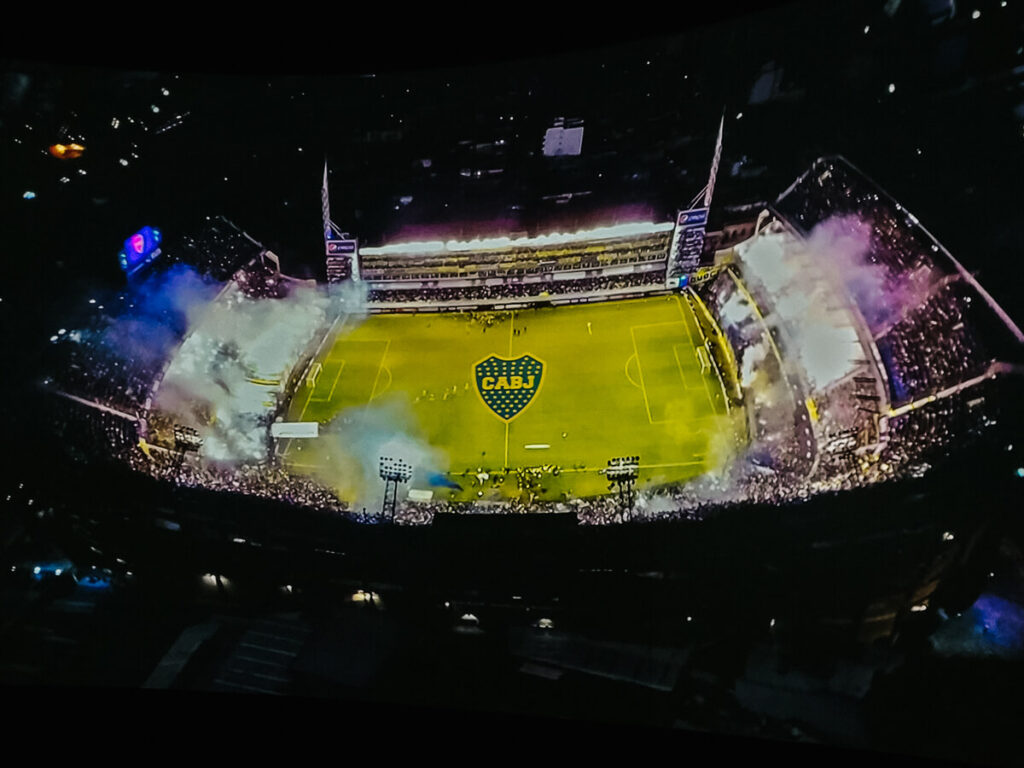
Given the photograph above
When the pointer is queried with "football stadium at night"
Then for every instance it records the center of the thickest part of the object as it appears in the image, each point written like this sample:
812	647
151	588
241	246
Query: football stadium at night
673	382
821	341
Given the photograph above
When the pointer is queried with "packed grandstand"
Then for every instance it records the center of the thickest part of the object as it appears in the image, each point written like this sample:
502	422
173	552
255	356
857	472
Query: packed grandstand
850	345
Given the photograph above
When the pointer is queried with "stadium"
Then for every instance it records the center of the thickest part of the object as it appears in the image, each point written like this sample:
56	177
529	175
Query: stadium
819	342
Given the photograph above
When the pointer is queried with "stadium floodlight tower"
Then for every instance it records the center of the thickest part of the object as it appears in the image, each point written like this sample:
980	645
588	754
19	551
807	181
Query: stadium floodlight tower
623	471
185	439
392	472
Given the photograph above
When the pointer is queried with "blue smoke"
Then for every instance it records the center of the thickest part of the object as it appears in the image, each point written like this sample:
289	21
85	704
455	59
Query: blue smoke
157	313
438	479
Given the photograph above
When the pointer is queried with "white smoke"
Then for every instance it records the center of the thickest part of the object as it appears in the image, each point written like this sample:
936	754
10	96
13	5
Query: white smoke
226	377
352	445
736	310
753	356
351	298
802	279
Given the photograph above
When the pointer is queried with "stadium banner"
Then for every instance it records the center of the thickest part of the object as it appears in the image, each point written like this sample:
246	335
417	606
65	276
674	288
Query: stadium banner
341	247
687	244
341	260
295	429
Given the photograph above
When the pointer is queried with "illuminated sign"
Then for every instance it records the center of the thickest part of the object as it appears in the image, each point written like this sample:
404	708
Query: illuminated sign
687	243
693	217
140	249
339	247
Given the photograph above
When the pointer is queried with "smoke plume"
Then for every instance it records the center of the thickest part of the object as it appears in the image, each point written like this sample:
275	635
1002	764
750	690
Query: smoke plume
226	378
350	448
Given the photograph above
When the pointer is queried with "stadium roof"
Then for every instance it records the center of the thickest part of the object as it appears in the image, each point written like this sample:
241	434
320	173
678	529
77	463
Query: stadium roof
499	243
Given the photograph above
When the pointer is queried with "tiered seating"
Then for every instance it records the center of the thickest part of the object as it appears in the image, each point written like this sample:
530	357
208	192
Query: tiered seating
518	290
935	346
515	262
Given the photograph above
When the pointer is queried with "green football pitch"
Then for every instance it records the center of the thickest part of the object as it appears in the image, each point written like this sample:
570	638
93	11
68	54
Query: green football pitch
615	379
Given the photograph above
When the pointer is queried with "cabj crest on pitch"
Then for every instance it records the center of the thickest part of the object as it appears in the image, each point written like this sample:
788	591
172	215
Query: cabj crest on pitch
508	386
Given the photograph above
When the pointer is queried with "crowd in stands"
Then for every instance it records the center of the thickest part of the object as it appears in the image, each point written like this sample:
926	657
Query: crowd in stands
934	346
219	249
928	327
931	429
115	356
260	480
494	293
260	280
832	187
95	372
515	262
746	481
87	433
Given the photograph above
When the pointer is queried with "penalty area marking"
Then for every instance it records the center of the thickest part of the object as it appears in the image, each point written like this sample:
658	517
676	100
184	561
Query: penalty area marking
630	359
386	387
332	333
380	367
658	325
640	370
679	365
337	378
693	342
